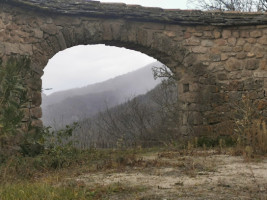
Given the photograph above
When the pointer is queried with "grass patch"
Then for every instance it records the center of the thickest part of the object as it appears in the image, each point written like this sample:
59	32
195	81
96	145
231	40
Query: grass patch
70	191
76	162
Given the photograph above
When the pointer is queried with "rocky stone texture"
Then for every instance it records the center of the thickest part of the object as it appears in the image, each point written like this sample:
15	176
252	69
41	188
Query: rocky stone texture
218	57
139	13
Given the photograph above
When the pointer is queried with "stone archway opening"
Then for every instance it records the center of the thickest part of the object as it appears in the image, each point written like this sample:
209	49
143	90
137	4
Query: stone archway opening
82	81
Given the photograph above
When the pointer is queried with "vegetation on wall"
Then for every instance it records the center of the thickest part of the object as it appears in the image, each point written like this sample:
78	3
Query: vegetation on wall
13	97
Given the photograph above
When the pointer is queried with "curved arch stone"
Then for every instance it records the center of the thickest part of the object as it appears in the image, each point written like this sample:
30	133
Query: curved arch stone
216	56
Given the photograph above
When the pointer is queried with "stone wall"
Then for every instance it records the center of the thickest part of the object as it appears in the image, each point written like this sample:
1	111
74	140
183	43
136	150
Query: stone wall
217	57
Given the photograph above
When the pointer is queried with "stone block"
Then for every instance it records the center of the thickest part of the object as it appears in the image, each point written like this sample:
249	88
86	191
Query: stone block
234	75
234	96
2	26
194	87
251	40
263	40
192	41
247	47
185	118
244	34
203	57
241	55
255	33
189	97
222	109
212	89
246	73
262	105
185	130
226	33
237	49
195	118
187	35
240	41
207	34
224	56
37	123
233	64
215	50
36	98
217	34
38	33
235	86
231	41
26	49
11	48
221	42
261	94
2	49
236	34
213	118
199	49
259	53
263	64
26	113
215	57
253	95
36	112
50	29
260	74
61	41
252	64
199	69
222	76
169	33
198	34
226	49
207	43
250	54
253	84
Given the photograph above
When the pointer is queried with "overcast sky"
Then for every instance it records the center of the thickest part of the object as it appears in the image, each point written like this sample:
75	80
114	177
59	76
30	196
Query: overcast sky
83	65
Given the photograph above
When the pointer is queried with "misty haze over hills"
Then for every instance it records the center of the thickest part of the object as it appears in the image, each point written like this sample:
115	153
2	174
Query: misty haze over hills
76	104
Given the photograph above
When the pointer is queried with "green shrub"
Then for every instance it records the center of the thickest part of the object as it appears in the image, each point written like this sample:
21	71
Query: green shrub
13	95
210	141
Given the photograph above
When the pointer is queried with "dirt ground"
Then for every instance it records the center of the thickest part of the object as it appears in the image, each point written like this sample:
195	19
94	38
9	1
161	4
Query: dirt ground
170	175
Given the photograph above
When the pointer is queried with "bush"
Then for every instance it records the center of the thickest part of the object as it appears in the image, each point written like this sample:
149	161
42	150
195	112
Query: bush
215	141
250	127
13	95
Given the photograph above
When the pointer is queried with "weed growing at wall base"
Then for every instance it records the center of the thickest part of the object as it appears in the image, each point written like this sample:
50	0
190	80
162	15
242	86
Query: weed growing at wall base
250	128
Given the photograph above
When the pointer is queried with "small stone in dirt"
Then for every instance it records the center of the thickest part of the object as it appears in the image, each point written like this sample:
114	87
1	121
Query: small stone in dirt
224	185
179	183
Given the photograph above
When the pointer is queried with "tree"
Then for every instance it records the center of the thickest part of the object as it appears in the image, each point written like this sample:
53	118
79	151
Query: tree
229	5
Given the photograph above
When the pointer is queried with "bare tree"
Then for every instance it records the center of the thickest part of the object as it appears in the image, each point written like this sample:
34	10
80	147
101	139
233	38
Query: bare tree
229	5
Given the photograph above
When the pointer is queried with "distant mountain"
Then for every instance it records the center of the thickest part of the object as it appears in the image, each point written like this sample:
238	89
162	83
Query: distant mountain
77	104
147	119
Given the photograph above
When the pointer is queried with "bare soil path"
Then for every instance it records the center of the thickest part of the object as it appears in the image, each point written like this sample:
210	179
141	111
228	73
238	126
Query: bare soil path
172	176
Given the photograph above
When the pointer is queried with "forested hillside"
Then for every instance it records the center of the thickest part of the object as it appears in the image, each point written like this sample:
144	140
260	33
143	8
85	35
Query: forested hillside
140	121
65	107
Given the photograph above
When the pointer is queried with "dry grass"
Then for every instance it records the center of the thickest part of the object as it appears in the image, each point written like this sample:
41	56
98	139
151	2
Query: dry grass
140	174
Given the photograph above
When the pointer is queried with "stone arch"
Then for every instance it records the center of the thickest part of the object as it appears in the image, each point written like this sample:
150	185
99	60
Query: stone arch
127	35
225	52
